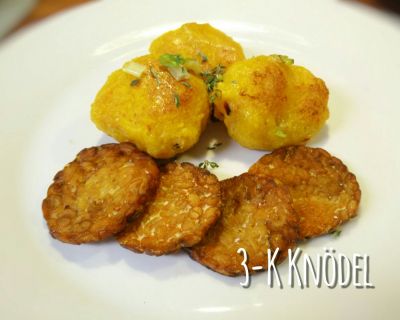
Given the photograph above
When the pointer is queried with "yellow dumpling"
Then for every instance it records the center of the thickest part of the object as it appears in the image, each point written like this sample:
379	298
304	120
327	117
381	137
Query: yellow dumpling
160	115
266	102
209	46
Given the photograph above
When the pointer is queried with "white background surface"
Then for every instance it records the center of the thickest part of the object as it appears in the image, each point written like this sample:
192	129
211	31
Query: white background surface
48	79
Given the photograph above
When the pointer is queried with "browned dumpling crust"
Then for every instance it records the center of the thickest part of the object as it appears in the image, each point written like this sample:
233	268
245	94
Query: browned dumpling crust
186	204
267	102
325	194
160	115
202	42
257	215
91	198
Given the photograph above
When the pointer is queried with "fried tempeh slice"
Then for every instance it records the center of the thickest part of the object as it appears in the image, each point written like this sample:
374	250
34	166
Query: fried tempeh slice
257	215
91	198
186	204
325	194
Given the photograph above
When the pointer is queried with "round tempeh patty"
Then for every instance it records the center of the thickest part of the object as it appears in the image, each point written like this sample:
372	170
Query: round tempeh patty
325	194
256	215
186	204
91	198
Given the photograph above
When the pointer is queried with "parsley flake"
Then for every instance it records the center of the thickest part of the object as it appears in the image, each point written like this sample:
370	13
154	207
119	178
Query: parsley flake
211	78
208	164
177	100
280	133
135	82
171	60
214	95
336	233
203	57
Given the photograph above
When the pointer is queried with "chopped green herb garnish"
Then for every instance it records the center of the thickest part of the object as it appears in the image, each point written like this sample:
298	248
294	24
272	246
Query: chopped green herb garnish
154	74
206	164
214	145
203	57
186	84
280	133
336	233
211	78
176	65
135	82
214	95
177	100
283	58
171	60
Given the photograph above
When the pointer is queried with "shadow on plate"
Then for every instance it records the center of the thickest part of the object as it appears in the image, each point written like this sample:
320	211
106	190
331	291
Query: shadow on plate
106	139
215	132
109	252
321	138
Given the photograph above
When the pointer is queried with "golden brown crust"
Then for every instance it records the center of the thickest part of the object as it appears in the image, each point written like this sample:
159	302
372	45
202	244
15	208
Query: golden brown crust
256	215
325	194
186	204
143	113
266	103
91	198
197	41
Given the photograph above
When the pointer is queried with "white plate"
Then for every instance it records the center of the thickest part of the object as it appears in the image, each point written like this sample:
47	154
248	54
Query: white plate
49	76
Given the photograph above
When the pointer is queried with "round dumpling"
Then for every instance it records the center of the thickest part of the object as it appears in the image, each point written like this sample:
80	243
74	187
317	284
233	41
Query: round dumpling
160	115
202	42
266	102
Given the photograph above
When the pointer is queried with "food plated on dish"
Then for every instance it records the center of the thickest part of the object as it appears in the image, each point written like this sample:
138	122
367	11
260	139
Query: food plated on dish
157	106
